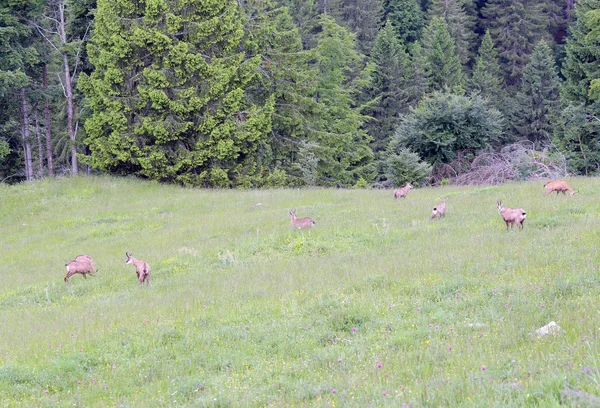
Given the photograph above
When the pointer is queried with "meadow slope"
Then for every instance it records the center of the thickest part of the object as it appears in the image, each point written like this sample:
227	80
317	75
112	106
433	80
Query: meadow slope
377	304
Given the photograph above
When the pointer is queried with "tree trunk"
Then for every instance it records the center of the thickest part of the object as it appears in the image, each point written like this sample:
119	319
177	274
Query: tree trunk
68	90
26	142
47	123
38	134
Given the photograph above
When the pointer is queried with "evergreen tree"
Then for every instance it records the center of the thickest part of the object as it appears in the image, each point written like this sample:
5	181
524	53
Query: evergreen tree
363	18
406	17
444	124
460	25
515	26
168	93
416	85
443	67
538	98
578	128
337	139
487	77
388	66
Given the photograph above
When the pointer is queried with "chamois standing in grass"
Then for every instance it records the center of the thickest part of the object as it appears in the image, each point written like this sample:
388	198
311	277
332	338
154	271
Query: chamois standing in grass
142	269
402	192
439	210
512	215
82	264
300	223
559	187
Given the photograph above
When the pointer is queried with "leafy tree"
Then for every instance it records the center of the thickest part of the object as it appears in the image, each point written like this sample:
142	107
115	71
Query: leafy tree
444	124
515	27
168	93
460	25
443	67
487	78
538	97
407	18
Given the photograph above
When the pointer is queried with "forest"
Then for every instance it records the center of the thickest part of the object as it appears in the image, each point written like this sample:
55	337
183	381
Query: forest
276	93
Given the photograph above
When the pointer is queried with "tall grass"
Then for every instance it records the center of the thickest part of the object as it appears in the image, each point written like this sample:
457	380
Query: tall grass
377	304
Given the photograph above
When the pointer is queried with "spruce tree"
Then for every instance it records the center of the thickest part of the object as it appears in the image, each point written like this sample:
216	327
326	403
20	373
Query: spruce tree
487	77
363	18
443	67
538	97
406	17
515	26
168	93
460	25
387	92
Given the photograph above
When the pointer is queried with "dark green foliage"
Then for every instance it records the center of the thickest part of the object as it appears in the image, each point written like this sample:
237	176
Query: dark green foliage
443	68
363	18
487	79
407	18
460	25
402	166
444	124
538	98
515	26
169	94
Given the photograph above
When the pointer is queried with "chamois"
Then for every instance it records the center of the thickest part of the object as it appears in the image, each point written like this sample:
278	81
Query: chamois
300	223
558	186
82	264
439	210
402	192
142	269
512	215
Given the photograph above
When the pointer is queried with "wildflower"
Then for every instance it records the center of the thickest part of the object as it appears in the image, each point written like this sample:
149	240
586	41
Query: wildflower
483	368
418	309
354	329
46	391
379	365
430	325
456	296
384	393
437	327
333	390
204	307
451	328
339	360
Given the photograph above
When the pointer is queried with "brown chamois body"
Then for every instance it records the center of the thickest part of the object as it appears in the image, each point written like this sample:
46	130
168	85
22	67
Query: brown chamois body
559	187
142	269
82	264
301	223
439	210
402	192
512	215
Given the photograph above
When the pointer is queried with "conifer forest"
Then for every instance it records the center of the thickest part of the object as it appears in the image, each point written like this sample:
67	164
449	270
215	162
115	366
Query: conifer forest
277	93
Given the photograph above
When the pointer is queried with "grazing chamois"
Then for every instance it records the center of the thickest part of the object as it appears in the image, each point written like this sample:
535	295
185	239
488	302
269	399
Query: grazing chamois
142	269
301	223
439	210
82	264
402	192
512	215
559	187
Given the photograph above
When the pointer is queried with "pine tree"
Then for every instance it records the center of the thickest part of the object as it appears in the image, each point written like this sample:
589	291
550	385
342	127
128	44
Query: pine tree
407	18
168	93
538	97
515	26
443	67
363	18
460	25
487	77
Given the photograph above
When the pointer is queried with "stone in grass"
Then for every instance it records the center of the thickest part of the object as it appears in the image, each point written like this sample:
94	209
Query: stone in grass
551	328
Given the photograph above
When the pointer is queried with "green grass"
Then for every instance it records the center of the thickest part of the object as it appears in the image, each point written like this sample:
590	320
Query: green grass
242	311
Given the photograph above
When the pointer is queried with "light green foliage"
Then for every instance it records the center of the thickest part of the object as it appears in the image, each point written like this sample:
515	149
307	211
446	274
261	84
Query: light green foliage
402	166
443	67
444	124
537	100
243	311
169	93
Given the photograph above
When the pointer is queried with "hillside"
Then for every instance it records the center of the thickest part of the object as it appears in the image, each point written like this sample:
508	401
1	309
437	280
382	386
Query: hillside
377	304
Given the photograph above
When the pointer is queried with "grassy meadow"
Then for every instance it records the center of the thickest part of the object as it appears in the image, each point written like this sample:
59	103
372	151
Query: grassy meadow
377	305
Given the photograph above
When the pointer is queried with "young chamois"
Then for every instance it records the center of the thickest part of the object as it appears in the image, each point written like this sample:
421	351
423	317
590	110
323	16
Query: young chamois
402	192
439	210
512	215
142	269
559	187
82	264
301	223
